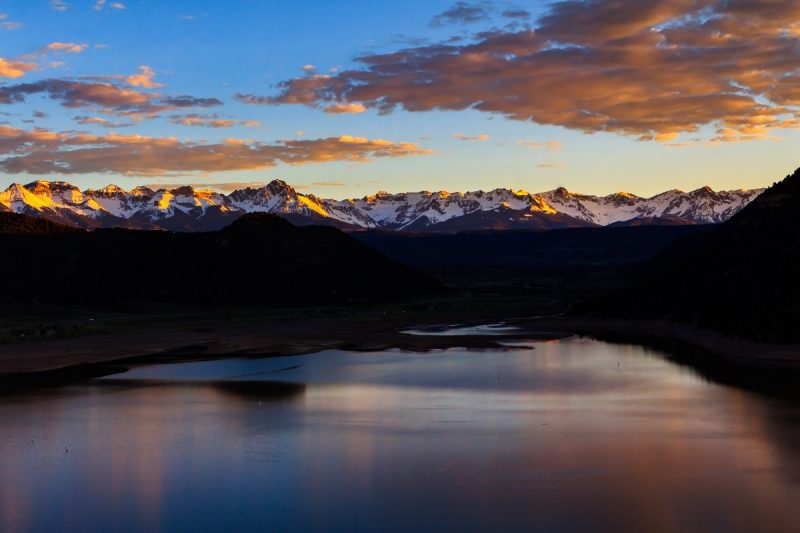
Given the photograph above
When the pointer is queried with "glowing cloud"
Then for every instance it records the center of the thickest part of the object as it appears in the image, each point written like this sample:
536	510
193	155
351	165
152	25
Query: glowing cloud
41	151
338	109
70	48
10	68
651	70
144	79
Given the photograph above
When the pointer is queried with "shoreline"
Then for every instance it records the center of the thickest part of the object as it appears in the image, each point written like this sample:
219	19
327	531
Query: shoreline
46	363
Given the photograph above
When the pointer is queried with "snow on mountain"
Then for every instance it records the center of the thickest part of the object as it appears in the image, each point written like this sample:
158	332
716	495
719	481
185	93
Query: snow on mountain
188	209
702	206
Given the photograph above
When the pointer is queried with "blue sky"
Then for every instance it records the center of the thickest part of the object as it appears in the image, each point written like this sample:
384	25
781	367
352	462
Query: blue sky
220	49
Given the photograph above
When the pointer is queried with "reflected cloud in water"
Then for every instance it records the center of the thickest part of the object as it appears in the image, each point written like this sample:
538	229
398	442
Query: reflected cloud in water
570	435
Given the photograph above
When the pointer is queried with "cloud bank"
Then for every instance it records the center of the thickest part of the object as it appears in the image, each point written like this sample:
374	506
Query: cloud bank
651	69
41	151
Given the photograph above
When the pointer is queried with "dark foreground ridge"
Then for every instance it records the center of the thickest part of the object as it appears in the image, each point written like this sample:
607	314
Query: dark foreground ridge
259	260
739	278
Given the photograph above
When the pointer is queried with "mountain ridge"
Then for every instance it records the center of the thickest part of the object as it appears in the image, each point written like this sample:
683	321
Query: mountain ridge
188	209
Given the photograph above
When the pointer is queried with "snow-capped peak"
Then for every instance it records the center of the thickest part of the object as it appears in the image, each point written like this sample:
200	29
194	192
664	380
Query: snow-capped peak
424	209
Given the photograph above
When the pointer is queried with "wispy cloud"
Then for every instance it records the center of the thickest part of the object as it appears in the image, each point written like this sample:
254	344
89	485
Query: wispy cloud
465	137
102	122
100	5
462	13
552	165
211	121
103	96
58	5
552	146
41	151
70	48
8	24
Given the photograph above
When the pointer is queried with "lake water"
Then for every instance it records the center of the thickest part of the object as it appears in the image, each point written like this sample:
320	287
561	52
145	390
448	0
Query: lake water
567	435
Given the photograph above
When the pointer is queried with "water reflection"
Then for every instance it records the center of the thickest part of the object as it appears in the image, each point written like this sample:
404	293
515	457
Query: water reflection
572	435
454	330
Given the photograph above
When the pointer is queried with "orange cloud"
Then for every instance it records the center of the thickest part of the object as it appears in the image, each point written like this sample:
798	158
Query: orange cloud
100	121
71	48
42	151
651	70
10	68
211	121
144	79
337	109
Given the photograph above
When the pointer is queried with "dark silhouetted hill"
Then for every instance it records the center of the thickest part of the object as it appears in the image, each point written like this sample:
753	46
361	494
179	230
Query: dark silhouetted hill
556	249
11	223
259	260
739	278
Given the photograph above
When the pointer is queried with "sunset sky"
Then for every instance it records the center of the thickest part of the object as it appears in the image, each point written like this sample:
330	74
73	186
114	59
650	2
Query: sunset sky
344	98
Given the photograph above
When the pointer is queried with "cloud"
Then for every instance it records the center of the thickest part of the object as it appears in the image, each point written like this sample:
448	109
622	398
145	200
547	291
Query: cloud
211	121
517	13
144	79
41	151
461	13
58	5
329	184
102	122
103	96
100	5
338	109
18	67
652	70
10	25
11	68
70	48
465	137
551	165
552	146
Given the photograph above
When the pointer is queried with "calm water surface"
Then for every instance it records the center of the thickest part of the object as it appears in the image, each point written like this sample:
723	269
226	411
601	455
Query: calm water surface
569	435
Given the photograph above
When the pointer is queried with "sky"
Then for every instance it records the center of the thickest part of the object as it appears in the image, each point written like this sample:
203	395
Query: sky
345	98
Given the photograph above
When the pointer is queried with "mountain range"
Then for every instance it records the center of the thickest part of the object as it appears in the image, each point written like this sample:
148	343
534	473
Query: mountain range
189	209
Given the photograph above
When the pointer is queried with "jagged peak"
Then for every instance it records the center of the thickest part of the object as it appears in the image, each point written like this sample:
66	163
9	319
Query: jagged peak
705	189
623	194
46	186
279	185
184	190
142	190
